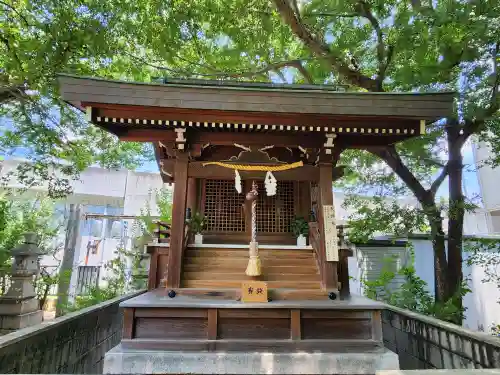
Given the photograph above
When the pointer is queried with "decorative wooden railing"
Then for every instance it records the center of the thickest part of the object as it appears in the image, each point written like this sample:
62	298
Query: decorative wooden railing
159	255
345	251
314	240
162	231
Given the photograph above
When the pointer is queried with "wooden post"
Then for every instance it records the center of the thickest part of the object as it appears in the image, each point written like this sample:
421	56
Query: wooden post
330	278
178	222
191	195
343	273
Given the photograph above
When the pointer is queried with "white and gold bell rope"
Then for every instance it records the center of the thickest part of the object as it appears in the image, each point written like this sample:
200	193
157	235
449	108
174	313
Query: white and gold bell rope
254	263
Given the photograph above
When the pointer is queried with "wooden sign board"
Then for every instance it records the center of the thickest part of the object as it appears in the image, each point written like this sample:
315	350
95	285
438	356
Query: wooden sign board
331	239
254	291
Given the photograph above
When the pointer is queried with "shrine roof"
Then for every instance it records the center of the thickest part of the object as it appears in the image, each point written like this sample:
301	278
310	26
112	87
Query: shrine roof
233	96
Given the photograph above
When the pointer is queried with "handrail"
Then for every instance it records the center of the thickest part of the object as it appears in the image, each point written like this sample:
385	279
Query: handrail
162	231
314	240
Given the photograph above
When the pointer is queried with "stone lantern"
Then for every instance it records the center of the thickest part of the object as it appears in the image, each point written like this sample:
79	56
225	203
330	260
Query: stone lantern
19	307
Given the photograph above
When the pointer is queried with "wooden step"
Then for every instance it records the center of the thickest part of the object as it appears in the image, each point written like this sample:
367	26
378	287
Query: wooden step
243	253
215	262
230	268
237	284
216	274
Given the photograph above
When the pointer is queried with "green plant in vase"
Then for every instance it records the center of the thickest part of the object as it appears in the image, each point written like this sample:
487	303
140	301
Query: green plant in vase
300	229
197	225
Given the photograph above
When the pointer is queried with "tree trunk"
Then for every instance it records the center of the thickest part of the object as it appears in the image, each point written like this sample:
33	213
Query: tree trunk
66	267
439	249
427	199
456	213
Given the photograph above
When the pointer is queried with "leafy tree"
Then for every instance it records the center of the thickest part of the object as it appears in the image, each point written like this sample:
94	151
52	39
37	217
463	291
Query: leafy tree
38	39
364	45
413	293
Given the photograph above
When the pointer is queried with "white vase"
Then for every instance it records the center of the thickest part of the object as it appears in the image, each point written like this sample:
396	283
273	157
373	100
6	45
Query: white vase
198	239
301	240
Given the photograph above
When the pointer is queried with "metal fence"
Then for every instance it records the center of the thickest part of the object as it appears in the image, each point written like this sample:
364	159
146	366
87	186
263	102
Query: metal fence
87	279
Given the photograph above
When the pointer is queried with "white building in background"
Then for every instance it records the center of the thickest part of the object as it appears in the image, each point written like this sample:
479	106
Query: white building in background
489	181
104	192
123	192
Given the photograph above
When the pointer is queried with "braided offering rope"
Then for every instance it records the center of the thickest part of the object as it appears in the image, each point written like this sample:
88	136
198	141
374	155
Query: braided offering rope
261	168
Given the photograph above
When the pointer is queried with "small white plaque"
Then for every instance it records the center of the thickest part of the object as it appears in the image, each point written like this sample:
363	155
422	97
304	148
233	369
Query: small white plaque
331	239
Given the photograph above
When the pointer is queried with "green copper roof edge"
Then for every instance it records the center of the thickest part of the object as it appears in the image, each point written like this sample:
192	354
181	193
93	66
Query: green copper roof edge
268	87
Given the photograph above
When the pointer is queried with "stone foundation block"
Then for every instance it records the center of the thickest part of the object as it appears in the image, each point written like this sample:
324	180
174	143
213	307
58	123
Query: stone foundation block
16	307
129	361
13	322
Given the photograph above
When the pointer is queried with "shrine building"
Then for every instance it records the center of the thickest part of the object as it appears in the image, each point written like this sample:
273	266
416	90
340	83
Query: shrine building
253	167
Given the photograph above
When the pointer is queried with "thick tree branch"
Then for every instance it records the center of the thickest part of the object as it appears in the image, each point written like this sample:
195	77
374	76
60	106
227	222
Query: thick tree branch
393	160
307	76
366	12
295	63
439	180
320	49
321	14
13	9
11	92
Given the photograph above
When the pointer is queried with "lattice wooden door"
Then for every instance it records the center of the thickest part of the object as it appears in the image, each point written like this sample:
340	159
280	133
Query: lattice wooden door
276	213
223	207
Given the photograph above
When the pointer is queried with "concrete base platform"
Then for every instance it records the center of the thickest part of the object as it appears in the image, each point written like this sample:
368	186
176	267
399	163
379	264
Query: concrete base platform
123	361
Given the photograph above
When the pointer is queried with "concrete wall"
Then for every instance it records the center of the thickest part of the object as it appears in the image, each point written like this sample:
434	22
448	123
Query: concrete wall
482	307
482	304
422	342
72	344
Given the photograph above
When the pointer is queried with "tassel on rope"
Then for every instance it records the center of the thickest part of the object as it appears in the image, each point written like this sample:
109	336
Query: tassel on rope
237	181
254	264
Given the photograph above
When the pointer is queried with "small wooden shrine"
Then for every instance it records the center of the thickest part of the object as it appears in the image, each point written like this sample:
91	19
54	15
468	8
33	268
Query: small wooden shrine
251	158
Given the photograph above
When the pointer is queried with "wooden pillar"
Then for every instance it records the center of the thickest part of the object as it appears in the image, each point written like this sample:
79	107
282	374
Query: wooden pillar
343	273
191	195
178	222
330	278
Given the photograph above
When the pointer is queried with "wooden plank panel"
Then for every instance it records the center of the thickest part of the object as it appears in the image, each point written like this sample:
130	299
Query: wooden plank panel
336	314
162	312
377	325
253	328
255	314
304	173
171	328
295	324
336	329
212	324
128	323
